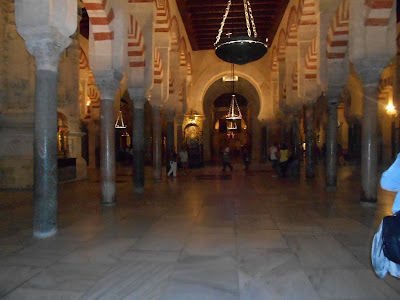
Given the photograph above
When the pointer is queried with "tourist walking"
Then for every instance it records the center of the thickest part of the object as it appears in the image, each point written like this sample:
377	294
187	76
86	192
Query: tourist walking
226	159
183	157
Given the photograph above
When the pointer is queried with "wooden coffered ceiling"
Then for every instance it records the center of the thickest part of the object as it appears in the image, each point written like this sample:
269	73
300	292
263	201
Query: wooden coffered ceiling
202	19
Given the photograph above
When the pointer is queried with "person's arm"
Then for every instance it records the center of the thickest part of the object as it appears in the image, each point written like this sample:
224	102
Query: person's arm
390	179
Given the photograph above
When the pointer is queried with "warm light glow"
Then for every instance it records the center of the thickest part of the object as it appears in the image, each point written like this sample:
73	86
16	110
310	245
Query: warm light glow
88	101
390	109
230	78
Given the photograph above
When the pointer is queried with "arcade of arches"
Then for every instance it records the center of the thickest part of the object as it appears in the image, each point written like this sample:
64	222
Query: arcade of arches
330	78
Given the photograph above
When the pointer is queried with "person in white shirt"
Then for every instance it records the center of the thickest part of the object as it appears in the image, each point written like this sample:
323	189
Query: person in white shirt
183	156
273	157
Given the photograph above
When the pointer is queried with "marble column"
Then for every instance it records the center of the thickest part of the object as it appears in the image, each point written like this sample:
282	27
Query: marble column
369	145
138	142
369	70
157	142
45	149
179	134
108	82
264	142
309	141
296	142
331	143
170	129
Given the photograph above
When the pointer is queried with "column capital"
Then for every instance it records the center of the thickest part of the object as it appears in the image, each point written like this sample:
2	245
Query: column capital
156	107
169	114
46	47
179	119
108	82
138	96
333	93
369	69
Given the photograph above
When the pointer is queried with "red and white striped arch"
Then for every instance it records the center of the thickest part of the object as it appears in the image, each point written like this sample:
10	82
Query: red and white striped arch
311	63
101	15
158	68
189	64
295	77
306	12
183	53
83	61
163	17
338	34
281	45
175	35
274	60
291	28
136	47
378	12
94	95
181	93
386	90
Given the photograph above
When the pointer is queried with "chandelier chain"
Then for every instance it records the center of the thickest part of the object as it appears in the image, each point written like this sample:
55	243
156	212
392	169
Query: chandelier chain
246	13
223	22
252	19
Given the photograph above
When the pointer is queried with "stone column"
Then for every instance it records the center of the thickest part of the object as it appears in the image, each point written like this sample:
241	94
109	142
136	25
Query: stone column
309	141
157	142
108	82
170	129
295	140
331	141
138	142
369	145
45	148
264	142
370	71
179	134
93	133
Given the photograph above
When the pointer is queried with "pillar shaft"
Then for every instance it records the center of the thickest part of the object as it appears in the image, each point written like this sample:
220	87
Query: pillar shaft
157	143
138	144
107	152
45	155
309	141
331	147
369	147
108	82
296	142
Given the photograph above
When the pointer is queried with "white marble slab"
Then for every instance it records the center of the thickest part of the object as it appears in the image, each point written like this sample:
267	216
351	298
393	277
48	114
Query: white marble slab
273	274
138	280
13	276
338	283
39	294
320	250
260	239
210	244
203	278
101	251
69	277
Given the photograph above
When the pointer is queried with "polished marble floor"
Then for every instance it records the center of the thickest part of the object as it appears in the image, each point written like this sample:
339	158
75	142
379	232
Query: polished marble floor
198	236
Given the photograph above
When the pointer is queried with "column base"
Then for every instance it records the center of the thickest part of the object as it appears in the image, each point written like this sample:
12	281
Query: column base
138	190
365	199
44	235
108	204
331	188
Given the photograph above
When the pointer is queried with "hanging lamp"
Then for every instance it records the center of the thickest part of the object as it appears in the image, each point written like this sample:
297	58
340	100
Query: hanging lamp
232	126
119	124
234	112
240	50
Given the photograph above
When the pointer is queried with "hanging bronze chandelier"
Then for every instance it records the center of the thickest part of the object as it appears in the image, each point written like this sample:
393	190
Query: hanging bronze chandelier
119	123
234	112
240	50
